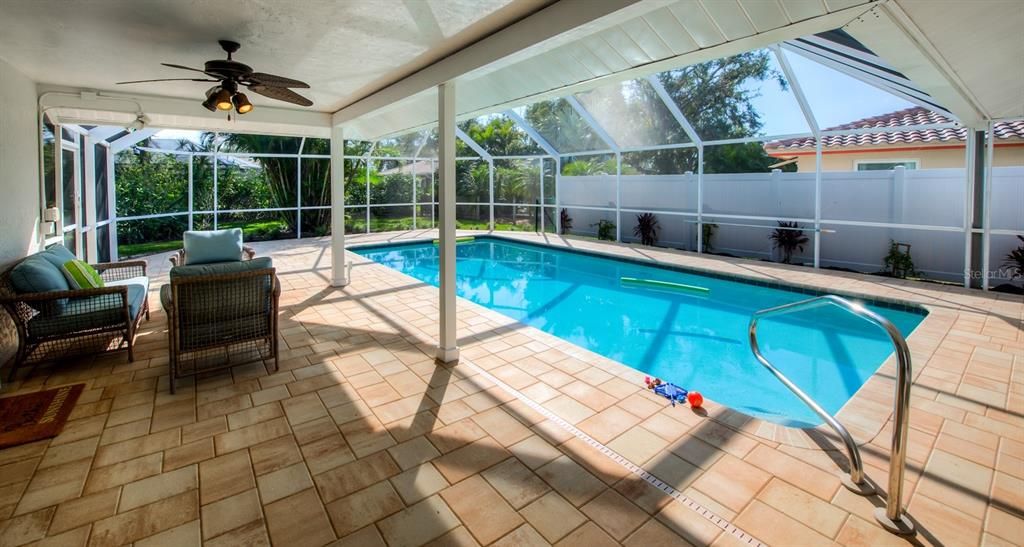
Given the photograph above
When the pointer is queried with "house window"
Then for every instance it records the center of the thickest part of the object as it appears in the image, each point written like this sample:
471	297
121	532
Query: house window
885	165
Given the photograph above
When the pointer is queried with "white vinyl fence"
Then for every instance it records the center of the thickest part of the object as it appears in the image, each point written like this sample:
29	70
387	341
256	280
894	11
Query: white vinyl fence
861	211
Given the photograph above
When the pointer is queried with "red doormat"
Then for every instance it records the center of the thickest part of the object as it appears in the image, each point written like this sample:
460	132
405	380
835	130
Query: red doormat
34	416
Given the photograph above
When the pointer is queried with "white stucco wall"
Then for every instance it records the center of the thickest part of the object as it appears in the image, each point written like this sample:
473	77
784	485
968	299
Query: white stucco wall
19	178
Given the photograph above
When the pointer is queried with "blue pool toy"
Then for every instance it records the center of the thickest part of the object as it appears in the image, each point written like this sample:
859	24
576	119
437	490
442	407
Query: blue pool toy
672	392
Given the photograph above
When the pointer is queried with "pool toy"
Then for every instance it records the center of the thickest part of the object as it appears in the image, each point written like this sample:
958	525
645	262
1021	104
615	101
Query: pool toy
465	239
695	399
672	392
663	285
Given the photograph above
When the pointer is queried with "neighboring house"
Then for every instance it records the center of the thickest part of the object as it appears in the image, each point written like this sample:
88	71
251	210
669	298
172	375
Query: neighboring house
914	149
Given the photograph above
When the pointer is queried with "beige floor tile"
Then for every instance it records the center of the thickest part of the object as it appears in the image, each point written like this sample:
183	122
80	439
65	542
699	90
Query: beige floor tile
552	516
346	479
775	528
327	453
608	424
188	454
274	454
418	483
72	538
653	534
570	480
638	445
364	507
69	452
456	434
524	536
534	451
413	452
501	426
588	535
230	513
283	482
123	472
225	476
186	535
795	472
692	527
158	487
146	520
615	514
26	528
804	507
458	537
732	482
569	409
133	448
252	435
84	510
470	459
515	482
53	485
419	523
299	519
367	536
481	509
255	415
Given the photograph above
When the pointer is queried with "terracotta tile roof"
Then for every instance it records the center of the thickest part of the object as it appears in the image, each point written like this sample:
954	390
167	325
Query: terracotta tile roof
909	116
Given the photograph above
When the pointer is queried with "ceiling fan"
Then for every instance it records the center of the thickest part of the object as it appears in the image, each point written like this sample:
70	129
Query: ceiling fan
230	75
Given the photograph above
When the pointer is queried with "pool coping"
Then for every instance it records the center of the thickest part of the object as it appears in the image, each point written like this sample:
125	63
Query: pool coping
868	410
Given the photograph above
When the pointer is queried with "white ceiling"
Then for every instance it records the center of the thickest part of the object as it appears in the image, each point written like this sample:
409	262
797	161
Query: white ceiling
344	49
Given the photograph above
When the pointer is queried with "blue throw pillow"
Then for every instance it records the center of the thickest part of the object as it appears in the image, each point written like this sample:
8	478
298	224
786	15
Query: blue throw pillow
37	274
58	255
208	246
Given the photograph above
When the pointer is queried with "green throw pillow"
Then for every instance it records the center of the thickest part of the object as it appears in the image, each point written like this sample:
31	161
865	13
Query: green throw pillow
81	275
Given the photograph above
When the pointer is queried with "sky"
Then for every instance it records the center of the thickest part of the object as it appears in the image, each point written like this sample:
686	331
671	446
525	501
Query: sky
835	99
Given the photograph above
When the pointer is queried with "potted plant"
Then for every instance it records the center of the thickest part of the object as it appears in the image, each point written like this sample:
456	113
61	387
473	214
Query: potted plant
566	221
605	230
898	262
788	238
646	228
1014	261
707	232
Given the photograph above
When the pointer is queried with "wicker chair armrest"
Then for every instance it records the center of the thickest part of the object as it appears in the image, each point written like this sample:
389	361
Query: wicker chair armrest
248	252
121	270
177	258
49	296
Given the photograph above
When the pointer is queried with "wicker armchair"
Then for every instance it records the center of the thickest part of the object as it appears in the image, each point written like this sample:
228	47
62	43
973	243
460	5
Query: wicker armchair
220	315
178	258
56	324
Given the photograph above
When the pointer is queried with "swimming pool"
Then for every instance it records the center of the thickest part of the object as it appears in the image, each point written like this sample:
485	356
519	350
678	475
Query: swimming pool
698	341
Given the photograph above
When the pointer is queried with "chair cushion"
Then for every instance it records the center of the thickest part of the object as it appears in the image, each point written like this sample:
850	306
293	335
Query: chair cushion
37	274
209	246
93	312
81	275
57	254
191	270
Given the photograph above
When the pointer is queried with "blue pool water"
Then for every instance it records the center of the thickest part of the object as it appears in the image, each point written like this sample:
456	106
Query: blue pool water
697	342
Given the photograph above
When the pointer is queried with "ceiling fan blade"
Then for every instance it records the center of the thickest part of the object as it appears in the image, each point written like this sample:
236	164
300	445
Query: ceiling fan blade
192	69
168	80
281	94
271	80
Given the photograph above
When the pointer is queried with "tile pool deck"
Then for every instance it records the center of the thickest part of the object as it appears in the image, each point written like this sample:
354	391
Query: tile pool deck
360	439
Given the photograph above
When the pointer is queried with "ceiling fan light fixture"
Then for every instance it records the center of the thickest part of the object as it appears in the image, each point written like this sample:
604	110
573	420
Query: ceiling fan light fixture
242	104
211	102
222	99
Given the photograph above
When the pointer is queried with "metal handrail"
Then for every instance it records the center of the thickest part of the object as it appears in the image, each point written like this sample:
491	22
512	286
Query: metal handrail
891	517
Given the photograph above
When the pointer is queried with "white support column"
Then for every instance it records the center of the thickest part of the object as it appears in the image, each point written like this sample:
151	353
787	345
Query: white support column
618	197
191	191
970	168
540	162
700	198
415	171
367	200
88	152
490	194
298	190
112	204
986	218
558	204
817	202
339	270
447	348
216	167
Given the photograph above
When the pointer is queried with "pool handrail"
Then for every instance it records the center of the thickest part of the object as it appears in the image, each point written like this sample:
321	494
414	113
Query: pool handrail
891	517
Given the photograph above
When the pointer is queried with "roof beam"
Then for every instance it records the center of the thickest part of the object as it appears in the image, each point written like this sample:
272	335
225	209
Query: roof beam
541	26
673	108
537	138
103	132
472	144
131	139
601	133
798	92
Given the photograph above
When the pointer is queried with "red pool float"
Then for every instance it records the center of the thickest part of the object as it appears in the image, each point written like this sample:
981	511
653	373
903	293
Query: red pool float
695	399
